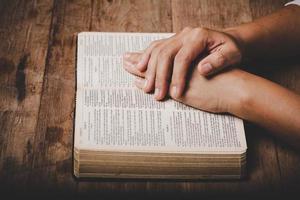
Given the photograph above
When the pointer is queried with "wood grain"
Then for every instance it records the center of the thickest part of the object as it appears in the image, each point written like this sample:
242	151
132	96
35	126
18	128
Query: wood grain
286	73
37	90
52	162
24	27
210	13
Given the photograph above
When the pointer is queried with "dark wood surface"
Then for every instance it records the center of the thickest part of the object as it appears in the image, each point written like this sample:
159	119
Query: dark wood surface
37	89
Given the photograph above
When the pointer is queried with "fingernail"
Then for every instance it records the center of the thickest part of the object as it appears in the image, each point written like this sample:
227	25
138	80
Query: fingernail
129	64
139	81
174	91
145	84
157	93
126	55
206	68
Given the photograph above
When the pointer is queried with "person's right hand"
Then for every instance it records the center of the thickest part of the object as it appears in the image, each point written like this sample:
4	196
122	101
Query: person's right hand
166	62
225	92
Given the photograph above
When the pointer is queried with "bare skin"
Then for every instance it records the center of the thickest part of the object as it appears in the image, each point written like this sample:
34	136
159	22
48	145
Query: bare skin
164	66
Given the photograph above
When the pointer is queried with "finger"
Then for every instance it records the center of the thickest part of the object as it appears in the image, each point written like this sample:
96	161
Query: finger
139	82
151	72
128	66
132	57
167	52
143	62
164	68
212	63
183	60
221	58
151	55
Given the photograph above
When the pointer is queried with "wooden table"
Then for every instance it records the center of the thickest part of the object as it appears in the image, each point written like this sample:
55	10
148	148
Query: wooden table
37	89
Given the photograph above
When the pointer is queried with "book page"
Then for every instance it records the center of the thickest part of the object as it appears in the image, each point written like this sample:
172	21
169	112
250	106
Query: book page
113	115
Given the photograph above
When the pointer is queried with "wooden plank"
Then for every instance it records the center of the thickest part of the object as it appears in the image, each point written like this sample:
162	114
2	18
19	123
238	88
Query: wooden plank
52	161
261	8
289	159
286	73
24	29
132	16
211	14
263	173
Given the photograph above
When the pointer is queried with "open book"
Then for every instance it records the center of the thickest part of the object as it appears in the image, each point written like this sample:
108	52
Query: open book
121	132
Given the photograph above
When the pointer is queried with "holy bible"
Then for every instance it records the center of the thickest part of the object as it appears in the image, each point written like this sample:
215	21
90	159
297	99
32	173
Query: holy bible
121	132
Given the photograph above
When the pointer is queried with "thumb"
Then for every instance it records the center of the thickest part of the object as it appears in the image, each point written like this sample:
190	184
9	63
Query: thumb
218	60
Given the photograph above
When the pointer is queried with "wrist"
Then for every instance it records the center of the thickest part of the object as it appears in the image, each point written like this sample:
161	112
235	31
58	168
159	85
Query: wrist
251	38
238	38
241	98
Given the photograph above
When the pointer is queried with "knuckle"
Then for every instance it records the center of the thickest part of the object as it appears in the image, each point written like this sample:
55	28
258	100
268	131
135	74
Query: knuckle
159	50
178	80
221	59
156	51
154	43
194	35
182	59
200	31
187	29
165	54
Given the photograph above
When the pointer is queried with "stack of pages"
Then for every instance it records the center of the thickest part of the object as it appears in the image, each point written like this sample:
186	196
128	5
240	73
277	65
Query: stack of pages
121	132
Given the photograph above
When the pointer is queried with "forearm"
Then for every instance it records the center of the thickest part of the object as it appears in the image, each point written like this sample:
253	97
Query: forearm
271	106
273	36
